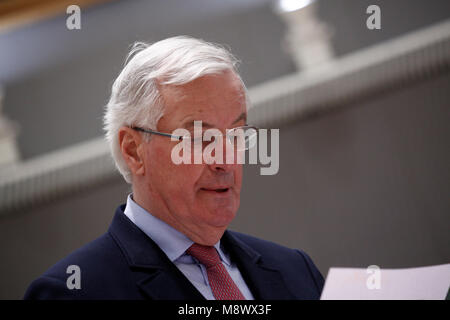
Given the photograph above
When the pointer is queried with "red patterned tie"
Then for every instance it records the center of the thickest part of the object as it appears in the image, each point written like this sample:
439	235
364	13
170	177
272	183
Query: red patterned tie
222	285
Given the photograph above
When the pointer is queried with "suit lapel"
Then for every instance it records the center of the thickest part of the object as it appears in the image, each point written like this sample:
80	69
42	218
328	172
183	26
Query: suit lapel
158	278
160	284
264	281
155	275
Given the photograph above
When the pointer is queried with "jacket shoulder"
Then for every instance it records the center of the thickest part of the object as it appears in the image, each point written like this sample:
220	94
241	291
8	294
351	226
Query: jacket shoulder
94	265
296	265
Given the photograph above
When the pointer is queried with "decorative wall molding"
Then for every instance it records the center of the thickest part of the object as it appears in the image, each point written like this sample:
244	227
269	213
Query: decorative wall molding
54	174
413	57
397	62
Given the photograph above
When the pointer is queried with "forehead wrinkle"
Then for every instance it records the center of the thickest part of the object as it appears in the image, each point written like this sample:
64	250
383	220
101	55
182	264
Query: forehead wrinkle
181	95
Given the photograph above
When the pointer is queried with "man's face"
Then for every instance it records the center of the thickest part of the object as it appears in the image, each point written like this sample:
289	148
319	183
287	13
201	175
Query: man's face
199	200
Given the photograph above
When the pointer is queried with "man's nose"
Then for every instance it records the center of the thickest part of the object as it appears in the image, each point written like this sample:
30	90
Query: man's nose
224	167
229	160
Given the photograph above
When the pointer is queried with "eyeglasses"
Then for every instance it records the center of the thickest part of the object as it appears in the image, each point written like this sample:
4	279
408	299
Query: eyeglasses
244	137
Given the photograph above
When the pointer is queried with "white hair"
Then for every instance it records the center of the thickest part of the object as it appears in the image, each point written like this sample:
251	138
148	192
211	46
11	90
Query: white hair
135	97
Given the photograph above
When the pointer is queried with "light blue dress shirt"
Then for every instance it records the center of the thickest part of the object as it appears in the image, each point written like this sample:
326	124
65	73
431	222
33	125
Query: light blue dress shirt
174	244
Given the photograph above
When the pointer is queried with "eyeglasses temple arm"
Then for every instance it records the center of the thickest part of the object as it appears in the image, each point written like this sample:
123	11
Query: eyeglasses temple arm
158	133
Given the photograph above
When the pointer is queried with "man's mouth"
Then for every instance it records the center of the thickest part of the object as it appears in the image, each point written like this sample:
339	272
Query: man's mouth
218	190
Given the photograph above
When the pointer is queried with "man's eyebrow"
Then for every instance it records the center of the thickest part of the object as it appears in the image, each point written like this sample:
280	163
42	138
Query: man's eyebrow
190	123
243	116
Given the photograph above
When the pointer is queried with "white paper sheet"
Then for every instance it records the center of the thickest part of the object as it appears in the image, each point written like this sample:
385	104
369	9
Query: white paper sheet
424	283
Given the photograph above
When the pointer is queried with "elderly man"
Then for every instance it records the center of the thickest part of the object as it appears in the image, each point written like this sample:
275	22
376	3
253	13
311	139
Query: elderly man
170	240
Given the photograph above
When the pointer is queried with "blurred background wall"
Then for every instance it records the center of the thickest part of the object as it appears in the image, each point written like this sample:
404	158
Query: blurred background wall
365	183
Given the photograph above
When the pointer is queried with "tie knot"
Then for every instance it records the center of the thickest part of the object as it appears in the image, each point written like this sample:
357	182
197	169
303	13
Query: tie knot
207	255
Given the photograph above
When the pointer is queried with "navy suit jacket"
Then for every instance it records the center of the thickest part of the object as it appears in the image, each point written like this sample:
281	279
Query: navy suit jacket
125	263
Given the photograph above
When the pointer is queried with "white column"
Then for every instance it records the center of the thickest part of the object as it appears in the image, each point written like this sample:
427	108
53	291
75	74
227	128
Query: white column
9	152
307	39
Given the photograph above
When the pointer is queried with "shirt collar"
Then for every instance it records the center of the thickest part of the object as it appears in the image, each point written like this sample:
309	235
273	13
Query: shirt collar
171	241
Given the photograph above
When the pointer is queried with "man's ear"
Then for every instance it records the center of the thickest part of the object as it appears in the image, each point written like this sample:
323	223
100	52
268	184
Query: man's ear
131	142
